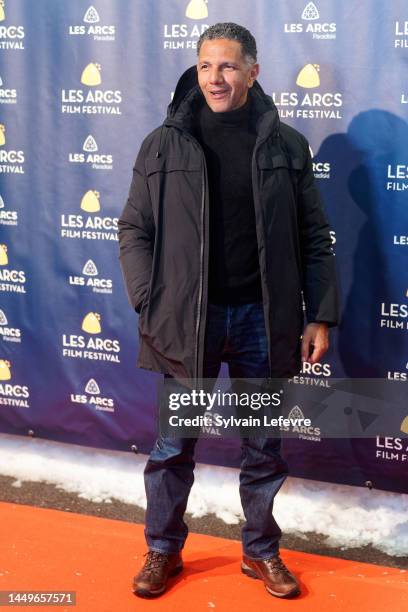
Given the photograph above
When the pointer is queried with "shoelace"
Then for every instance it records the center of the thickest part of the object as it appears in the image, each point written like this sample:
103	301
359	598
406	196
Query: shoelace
154	559
276	565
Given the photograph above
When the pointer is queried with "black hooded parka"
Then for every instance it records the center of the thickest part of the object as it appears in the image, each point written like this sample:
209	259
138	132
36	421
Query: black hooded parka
164	239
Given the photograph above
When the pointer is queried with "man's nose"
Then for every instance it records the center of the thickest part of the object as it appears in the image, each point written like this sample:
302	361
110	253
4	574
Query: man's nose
216	75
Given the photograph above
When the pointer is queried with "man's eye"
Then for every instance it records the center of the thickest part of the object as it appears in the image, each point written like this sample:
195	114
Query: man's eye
229	67
204	67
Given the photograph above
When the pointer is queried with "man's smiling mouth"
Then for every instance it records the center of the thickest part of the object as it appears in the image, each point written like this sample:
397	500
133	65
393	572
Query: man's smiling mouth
219	93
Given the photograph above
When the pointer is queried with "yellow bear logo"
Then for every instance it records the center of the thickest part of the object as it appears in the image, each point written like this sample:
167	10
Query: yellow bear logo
404	425
197	9
308	77
91	323
90	202
5	373
91	75
3	255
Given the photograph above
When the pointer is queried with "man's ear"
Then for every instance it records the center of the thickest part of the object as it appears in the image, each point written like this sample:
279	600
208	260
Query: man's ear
253	74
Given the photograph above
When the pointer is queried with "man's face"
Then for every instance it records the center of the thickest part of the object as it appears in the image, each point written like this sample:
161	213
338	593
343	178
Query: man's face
223	74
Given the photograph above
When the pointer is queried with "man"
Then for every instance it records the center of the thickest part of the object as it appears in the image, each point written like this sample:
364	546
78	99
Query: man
222	232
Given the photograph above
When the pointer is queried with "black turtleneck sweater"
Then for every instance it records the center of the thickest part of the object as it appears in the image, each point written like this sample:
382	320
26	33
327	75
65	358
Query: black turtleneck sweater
228	140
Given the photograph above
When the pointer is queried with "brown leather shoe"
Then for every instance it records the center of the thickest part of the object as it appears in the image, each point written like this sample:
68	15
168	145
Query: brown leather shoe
277	578
152	579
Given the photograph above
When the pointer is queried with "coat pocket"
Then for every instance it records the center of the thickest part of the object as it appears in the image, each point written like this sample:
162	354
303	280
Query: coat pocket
281	167
174	184
171	164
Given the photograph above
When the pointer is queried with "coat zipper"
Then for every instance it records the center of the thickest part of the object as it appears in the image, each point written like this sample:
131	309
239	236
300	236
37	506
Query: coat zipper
257	202
200	292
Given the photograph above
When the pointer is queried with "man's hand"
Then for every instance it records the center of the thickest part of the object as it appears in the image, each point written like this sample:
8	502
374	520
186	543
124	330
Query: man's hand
316	336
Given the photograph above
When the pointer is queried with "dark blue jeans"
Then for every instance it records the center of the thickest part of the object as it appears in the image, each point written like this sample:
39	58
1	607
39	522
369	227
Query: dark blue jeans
236	335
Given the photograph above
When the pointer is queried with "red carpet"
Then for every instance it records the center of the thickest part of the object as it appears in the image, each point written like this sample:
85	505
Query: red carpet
50	550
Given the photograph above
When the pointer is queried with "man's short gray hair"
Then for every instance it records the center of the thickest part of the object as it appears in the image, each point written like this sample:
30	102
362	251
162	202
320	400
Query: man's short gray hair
231	31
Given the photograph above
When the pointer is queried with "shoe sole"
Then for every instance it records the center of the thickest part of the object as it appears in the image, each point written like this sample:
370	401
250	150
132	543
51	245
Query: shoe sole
249	572
150	594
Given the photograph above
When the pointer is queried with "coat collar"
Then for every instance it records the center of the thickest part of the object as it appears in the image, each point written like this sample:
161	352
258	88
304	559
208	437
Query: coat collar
187	98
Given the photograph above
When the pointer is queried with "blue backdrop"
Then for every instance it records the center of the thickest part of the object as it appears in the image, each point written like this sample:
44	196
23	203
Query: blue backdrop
80	87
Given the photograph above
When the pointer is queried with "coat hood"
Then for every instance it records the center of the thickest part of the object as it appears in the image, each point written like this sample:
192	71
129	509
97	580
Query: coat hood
188	97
